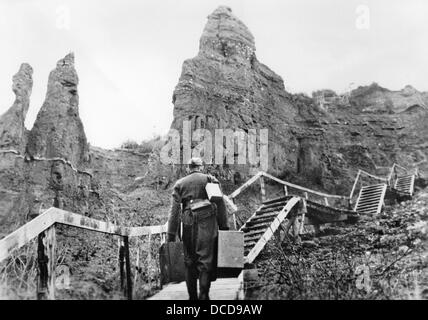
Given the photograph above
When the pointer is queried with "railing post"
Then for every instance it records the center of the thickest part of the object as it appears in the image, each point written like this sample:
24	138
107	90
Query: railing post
285	190
262	188
326	201
46	246
121	263
128	268
354	186
234	221
304	211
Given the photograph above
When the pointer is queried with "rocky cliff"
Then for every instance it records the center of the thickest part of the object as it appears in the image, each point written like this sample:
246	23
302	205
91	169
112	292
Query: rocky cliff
58	130
13	132
225	86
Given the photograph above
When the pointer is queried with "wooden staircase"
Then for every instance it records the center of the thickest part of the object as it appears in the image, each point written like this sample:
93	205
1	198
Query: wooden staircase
370	199
405	184
261	226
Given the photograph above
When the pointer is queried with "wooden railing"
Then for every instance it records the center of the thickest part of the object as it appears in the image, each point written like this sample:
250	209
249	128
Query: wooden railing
43	227
259	177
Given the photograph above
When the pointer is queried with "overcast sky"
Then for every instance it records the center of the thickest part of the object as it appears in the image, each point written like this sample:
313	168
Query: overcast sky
129	53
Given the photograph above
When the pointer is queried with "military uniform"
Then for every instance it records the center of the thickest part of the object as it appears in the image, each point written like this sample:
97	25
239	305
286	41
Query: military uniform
200	230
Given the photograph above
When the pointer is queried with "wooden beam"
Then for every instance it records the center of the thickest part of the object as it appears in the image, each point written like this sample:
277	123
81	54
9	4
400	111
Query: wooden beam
77	220
127	268
46	261
26	233
262	189
303	211
285	190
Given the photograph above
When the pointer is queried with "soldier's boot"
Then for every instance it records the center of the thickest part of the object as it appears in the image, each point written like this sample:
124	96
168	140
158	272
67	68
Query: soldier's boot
191	275
204	285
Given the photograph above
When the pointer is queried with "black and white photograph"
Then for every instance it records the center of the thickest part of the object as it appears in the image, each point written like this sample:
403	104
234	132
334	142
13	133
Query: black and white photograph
241	152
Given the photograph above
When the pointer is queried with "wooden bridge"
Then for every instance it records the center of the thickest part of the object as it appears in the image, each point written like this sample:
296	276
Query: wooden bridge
299	206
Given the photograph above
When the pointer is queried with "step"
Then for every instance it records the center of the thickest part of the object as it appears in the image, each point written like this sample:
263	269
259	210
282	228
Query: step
258	232
279	199
370	201
250	244
254	221
403	184
371	194
267	215
273	209
374	186
372	204
404	177
371	191
256	227
254	238
264	223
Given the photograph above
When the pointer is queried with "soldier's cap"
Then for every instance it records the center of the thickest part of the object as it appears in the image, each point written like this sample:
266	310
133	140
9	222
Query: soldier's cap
195	161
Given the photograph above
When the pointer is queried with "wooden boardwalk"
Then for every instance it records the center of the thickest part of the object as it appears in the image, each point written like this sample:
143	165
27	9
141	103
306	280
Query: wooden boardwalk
221	289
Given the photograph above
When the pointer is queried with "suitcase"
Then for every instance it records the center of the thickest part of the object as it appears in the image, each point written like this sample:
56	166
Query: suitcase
230	249
171	261
213	192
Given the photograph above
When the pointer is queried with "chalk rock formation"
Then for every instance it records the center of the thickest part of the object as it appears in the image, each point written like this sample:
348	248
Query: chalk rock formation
12	129
320	145
58	130
226	87
375	99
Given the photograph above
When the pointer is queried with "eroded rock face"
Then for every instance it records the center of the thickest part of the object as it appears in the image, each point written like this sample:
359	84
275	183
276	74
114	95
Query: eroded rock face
226	87
58	130
317	145
375	99
12	129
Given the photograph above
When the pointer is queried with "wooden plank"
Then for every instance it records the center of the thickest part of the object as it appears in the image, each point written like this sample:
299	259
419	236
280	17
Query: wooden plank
26	233
221	289
46	262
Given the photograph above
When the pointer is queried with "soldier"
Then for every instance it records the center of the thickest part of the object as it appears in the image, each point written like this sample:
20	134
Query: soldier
200	228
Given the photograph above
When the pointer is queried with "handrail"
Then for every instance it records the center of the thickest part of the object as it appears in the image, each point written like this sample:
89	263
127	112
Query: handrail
295	186
373	176
33	228
283	182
